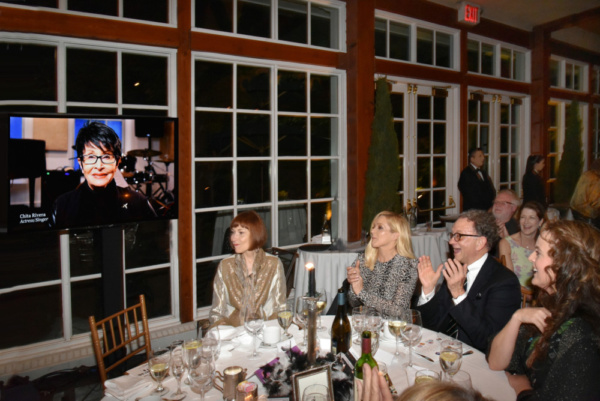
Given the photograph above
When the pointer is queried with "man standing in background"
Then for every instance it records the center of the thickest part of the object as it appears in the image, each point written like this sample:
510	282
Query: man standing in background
475	185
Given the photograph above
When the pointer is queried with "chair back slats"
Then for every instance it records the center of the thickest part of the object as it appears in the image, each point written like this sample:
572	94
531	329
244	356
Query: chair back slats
125	334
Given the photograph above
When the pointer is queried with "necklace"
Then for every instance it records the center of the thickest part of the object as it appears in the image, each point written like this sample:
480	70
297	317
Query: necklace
523	243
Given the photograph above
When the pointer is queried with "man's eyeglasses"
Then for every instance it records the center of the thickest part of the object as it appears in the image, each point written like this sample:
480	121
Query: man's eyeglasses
93	159
458	236
504	203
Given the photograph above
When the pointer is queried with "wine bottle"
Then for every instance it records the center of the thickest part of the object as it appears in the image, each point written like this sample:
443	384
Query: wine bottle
341	332
367	358
325	231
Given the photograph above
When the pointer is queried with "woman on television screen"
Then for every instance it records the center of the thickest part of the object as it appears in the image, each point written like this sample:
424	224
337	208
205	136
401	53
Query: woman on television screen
99	200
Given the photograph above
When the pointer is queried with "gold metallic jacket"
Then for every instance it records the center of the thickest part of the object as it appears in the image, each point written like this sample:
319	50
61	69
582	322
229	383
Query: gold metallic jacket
228	287
586	198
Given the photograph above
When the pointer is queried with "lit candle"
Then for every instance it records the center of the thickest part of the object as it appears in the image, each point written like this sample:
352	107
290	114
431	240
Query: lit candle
311	280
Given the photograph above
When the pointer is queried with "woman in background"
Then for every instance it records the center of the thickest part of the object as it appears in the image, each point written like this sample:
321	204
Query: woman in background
517	248
385	276
249	276
533	184
553	352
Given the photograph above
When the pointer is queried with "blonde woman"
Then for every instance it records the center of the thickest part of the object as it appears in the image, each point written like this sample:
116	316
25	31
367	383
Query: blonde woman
385	276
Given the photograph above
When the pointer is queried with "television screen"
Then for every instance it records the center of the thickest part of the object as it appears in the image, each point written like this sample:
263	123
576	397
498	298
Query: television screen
67	171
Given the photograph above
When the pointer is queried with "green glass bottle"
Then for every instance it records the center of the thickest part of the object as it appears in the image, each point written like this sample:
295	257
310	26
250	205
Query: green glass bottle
341	331
366	356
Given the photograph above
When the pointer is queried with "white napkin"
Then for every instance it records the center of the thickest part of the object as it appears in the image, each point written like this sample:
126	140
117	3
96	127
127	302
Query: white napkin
126	386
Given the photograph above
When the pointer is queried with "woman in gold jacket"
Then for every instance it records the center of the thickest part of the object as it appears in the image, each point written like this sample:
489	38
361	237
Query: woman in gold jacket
249	277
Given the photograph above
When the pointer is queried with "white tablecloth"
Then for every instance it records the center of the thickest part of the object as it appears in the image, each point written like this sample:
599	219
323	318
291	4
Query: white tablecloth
330	266
491	384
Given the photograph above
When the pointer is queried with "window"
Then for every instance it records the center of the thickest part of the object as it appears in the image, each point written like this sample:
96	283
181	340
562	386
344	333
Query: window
398	38
62	289
596	136
595	80
161	10
496	125
423	119
497	59
304	22
568	74
269	138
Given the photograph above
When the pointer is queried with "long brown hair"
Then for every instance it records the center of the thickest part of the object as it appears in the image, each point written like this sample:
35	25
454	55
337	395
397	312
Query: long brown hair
575	253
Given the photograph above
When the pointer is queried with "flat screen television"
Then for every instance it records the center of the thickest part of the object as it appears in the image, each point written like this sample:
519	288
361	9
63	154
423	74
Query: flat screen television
47	185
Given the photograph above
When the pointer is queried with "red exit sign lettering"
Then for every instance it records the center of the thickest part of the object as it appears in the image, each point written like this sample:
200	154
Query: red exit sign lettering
468	13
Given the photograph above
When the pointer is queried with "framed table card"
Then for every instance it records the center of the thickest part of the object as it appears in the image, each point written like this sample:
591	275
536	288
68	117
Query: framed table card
301	380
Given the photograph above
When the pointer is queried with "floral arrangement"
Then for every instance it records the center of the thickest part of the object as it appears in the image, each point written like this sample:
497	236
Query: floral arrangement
277	378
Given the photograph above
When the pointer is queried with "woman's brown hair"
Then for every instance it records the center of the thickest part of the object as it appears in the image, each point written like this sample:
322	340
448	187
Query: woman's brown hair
251	221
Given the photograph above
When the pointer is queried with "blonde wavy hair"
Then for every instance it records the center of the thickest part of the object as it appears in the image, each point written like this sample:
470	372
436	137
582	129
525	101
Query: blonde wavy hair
440	391
398	224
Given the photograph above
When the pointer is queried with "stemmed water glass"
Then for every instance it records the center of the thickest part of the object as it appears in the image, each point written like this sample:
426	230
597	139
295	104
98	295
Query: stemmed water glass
158	365
177	366
321	305
302	316
254	321
285	314
315	392
203	375
212	342
191	356
450	357
358	321
411	332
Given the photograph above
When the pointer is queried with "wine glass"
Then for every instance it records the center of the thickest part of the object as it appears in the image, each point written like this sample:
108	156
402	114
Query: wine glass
158	365
203	375
358	321
254	320
178	366
315	392
450	357
463	379
191	356
285	315
212	342
302	316
321	305
412	330
395	326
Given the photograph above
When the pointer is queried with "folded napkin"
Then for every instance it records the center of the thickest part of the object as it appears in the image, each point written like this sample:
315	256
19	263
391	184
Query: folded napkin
125	386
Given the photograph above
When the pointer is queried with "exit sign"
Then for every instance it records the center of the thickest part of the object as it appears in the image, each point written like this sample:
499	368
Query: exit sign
468	13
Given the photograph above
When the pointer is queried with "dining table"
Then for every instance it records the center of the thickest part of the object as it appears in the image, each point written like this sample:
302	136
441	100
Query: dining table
330	265
236	346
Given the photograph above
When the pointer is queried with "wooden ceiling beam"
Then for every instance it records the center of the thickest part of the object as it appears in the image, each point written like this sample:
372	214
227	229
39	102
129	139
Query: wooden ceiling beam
572	20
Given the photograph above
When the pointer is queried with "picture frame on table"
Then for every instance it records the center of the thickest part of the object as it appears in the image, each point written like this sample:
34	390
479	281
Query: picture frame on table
301	380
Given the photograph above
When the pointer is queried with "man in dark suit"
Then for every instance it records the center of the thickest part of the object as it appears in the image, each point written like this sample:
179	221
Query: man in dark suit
479	295
475	185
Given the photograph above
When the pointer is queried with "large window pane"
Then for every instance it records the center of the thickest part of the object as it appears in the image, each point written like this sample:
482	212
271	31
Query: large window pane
139	9
105	7
505	63
291	90
324	26
424	46
254	18
144	79
473	56
31	316
320	176
519	66
214	14
323	94
253	88
214	184
423	137
291	136
253	182
91	76
293	25
554	72
86	300
292	224
147	243
205	273
253	135
487	59
213	86
443	50
28	72
399	41
292	180
212	236
214	134
156	286
323	136
380	37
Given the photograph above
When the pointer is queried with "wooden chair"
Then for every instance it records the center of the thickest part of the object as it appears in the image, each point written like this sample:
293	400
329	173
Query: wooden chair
125	334
288	258
526	297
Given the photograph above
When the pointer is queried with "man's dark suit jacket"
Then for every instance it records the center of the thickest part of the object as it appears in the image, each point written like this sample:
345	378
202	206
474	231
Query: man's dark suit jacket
476	193
492	299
